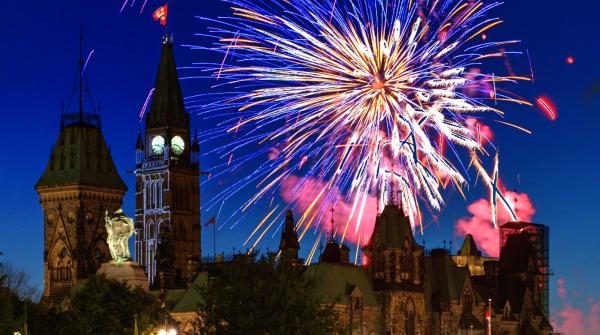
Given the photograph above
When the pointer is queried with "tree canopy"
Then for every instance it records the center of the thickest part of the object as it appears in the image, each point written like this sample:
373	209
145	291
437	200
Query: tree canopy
262	295
98	306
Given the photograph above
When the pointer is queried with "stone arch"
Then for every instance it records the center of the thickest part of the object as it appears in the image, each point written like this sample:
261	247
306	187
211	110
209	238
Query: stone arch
98	255
151	232
61	262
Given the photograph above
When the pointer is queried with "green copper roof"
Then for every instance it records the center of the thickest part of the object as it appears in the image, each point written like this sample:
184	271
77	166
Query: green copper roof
444	279
81	157
392	226
469	248
333	283
192	299
167	108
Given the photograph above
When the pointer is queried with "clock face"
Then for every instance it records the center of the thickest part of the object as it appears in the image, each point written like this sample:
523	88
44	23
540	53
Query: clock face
158	145
177	145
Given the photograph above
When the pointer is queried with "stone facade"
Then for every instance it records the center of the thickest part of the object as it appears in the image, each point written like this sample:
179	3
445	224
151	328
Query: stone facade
79	185
404	290
167	184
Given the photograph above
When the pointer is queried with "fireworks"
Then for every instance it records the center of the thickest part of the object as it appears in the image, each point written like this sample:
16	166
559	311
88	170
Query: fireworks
357	97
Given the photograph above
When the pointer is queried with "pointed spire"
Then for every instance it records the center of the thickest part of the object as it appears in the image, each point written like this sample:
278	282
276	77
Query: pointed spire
140	142
469	247
289	238
196	143
167	107
80	73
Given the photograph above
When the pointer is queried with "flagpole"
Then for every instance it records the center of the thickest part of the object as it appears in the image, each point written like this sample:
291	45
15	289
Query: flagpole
215	240
167	22
490	319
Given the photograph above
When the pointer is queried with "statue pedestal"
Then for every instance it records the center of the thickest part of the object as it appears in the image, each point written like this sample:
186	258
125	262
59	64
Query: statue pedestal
129	272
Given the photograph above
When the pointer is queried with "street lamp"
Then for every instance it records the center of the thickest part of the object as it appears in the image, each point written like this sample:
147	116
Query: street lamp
166	331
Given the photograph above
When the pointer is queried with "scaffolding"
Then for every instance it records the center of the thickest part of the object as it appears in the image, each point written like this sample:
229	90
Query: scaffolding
539	236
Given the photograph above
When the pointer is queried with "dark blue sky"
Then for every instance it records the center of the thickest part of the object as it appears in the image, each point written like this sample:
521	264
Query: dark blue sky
557	165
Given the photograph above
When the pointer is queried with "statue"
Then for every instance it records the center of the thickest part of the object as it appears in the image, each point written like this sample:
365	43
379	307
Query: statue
119	228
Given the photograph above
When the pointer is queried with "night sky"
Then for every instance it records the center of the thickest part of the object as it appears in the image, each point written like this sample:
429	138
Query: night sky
557	166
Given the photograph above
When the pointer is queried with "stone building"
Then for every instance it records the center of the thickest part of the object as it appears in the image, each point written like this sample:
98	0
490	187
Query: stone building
80	183
404	289
468	255
167	184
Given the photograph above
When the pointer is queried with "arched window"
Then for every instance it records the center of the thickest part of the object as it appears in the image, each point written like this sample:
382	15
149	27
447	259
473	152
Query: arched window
62	265
409	318
467	302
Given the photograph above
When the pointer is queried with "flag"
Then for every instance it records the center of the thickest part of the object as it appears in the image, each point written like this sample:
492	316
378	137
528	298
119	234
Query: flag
488	317
160	14
212	220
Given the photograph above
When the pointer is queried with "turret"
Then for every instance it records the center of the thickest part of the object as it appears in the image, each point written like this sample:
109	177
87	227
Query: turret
195	150
289	244
139	149
167	180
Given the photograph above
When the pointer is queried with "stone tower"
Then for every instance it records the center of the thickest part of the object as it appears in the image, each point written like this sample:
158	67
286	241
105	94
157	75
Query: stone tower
167	181
395	265
79	184
289	244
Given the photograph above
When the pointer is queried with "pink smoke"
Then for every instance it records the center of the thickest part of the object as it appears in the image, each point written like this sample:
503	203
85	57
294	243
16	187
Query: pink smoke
562	290
480	223
302	192
576	321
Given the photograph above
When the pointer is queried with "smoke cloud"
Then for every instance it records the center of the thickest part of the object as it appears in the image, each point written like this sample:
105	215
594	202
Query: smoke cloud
480	223
569	319
302	192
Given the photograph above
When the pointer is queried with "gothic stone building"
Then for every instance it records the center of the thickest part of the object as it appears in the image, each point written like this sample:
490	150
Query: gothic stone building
80	183
167	194
403	289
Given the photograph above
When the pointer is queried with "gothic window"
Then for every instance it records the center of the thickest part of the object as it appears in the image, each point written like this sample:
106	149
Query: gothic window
357	303
393	266
467	302
409	318
406	260
62	266
98	255
379	262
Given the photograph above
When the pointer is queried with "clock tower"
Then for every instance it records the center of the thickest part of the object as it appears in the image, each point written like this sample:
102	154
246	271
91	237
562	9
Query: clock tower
167	183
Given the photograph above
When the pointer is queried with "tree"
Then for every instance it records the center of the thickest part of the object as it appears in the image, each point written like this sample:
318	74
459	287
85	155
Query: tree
263	295
18	282
102	306
106	306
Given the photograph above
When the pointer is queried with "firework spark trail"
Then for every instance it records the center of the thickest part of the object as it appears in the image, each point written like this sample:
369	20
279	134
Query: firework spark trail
145	106
358	94
88	60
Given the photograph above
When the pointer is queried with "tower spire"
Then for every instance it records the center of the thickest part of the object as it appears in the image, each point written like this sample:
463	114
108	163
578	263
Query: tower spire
80	71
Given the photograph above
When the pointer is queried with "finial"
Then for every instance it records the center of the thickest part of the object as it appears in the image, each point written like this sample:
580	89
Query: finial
516	202
332	223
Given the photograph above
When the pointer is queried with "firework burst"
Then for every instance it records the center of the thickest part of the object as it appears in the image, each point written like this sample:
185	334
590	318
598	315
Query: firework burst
360	95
